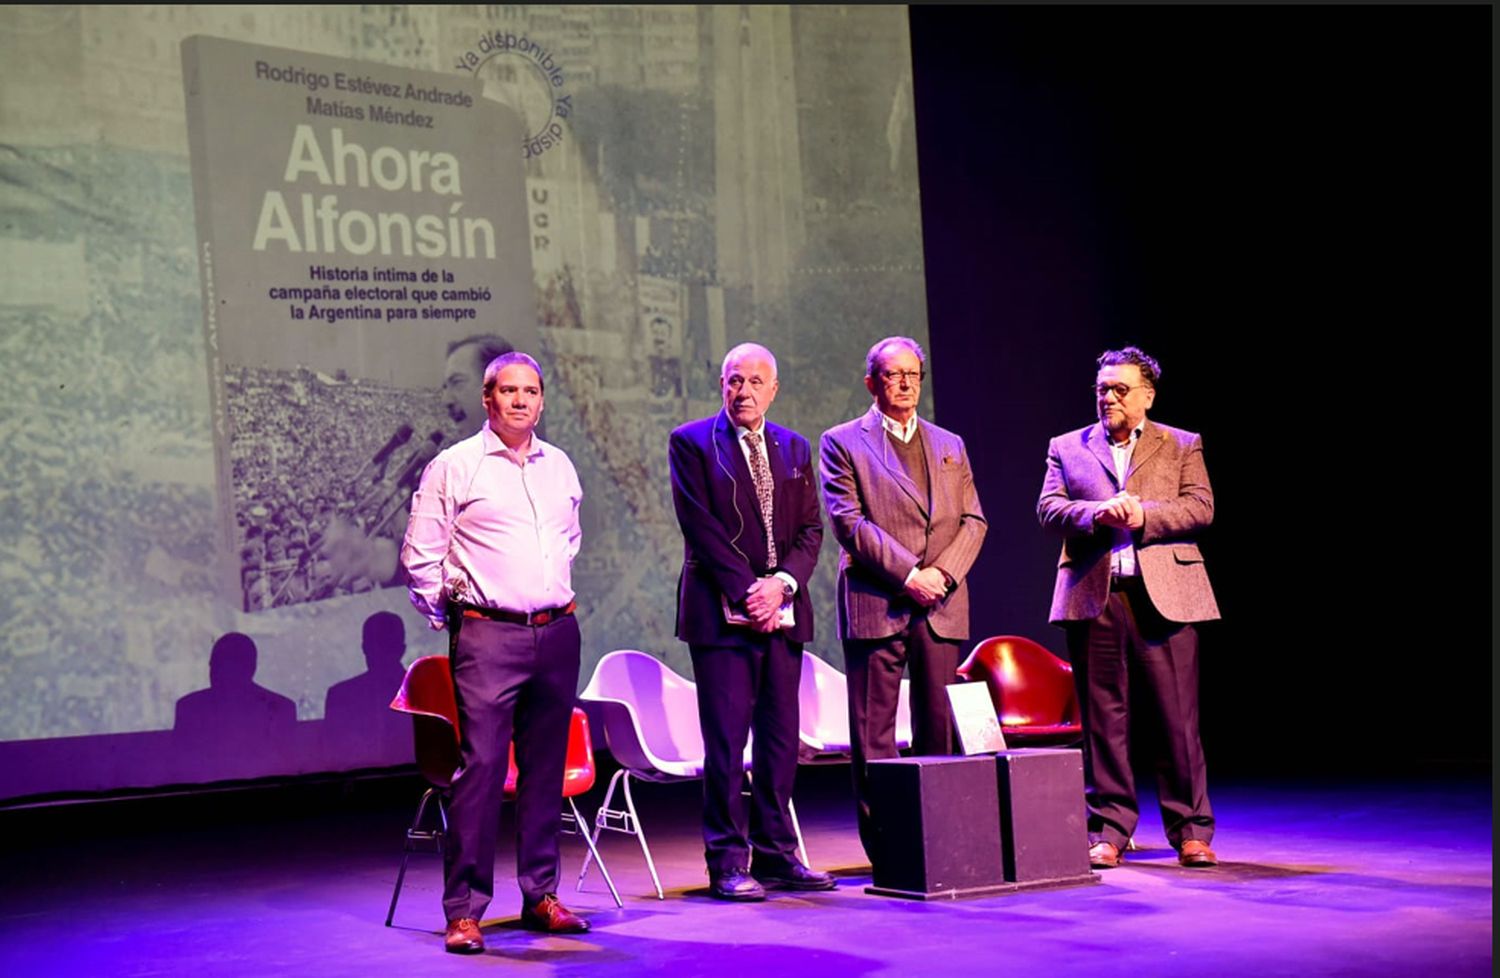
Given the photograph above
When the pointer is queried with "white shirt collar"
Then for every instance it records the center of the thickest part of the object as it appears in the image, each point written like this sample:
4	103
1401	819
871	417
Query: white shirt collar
1135	436
740	431
905	432
494	443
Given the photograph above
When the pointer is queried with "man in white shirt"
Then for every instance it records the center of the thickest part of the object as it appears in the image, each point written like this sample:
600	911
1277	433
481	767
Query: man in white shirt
489	554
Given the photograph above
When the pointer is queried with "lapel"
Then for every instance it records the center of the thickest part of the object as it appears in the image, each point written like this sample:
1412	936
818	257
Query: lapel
742	483
934	462
879	447
1098	445
776	459
733	473
1146	446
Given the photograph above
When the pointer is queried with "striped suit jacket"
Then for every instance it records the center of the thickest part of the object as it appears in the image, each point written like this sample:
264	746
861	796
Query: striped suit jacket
886	526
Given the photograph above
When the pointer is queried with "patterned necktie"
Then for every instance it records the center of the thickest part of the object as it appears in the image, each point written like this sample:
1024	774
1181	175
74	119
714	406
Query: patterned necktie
761	473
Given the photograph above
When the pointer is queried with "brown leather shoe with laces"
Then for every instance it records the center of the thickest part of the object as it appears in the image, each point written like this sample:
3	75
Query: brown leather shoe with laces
1195	854
549	916
463	937
1103	855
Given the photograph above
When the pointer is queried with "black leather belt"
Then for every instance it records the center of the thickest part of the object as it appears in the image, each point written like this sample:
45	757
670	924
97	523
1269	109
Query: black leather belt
531	618
1121	583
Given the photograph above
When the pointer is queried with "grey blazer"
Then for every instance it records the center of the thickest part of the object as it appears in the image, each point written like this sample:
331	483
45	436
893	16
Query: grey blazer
886	527
1168	474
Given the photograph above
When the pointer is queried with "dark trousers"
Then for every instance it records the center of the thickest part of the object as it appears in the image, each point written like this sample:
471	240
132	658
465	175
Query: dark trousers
1130	639
751	685
511	681
874	668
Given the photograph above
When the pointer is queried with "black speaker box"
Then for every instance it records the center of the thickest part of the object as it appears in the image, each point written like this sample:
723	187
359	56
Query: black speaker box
1043	827
937	823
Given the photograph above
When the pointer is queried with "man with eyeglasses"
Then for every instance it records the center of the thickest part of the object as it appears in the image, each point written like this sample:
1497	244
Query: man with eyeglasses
1130	499
901	500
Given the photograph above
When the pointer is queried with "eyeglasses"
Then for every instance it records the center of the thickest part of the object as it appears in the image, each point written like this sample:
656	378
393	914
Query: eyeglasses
895	376
1120	391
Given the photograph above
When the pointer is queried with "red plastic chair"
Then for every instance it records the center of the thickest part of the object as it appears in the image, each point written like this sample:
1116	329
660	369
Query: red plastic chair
427	695
1032	690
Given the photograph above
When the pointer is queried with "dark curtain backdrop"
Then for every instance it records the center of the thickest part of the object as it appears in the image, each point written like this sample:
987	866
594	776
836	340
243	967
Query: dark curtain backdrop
1291	208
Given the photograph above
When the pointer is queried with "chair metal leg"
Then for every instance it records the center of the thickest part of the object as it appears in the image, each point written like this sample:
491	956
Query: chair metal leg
791	809
416	834
600	823
626	820
390	914
594	854
640	836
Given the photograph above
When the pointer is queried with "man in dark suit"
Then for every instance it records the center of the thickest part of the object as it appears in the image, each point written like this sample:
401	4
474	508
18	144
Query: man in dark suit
901	499
744	494
1130	498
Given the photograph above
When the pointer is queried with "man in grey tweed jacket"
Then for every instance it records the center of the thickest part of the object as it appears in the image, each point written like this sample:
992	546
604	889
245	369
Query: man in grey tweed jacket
1130	498
901	500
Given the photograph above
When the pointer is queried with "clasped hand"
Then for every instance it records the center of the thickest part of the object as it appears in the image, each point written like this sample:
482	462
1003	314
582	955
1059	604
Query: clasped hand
927	586
1123	511
763	603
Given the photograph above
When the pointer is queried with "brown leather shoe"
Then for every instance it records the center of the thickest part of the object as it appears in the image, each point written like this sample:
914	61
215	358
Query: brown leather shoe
1196	854
463	937
549	916
1103	855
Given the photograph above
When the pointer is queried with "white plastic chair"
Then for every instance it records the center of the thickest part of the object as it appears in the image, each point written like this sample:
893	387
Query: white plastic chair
823	700
904	736
648	716
823	711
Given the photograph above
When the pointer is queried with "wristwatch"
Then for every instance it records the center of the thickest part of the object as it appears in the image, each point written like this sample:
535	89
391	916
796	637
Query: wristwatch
786	591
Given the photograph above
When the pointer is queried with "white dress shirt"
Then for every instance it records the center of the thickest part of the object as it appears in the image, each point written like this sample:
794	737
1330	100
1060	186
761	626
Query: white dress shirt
905	431
494	527
1122	552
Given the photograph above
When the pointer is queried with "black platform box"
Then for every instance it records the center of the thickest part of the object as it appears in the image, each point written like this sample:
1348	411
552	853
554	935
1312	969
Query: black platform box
1043	827
938	827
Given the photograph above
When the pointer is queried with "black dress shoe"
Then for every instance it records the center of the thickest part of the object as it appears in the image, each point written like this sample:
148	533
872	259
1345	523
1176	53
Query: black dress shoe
734	884
795	876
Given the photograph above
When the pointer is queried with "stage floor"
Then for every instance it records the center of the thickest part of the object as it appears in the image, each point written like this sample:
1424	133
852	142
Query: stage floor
1317	878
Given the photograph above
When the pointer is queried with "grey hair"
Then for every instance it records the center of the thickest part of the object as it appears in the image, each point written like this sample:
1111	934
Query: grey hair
872	359
741	351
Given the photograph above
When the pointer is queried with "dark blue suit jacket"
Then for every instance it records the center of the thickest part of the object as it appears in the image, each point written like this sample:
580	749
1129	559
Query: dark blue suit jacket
724	542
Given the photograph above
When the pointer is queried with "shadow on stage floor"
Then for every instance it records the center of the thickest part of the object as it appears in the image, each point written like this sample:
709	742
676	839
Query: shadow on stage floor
1377	878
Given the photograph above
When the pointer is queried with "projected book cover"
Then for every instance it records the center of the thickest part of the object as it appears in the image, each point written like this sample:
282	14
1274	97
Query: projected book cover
363	247
225	380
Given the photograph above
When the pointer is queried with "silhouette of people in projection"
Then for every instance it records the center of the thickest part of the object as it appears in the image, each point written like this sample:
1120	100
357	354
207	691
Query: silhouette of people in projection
239	728
360	728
